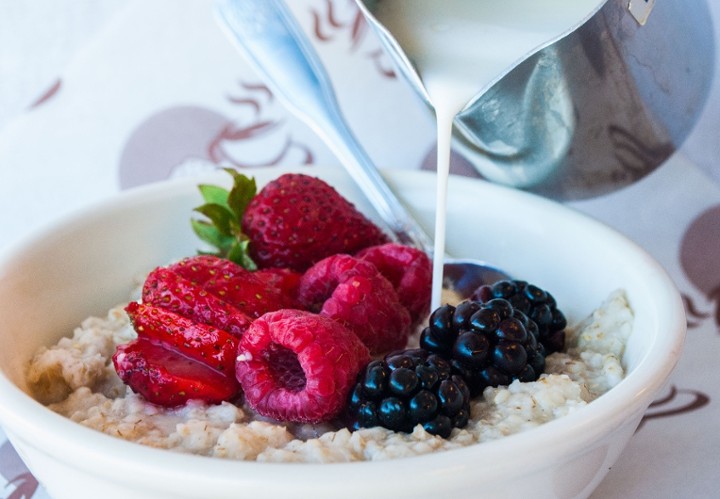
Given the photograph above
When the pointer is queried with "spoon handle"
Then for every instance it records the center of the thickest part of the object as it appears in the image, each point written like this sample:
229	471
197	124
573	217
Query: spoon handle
267	34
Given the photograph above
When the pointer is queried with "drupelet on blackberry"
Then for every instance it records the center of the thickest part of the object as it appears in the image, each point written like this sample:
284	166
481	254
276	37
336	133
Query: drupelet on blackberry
407	388
488	344
535	302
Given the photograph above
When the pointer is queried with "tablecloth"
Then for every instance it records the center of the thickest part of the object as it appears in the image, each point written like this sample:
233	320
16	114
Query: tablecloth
98	97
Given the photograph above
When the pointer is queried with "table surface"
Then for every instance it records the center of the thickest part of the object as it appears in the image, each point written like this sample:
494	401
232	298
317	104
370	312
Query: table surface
97	96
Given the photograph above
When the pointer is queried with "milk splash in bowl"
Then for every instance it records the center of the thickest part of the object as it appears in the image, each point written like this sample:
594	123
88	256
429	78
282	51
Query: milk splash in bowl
458	49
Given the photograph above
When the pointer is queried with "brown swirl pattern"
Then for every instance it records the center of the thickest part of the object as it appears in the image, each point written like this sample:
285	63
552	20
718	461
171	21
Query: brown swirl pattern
48	94
328	26
256	97
700	262
168	138
677	402
695	316
21	484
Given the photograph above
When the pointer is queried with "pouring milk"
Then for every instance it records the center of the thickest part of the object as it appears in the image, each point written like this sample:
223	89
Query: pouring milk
459	48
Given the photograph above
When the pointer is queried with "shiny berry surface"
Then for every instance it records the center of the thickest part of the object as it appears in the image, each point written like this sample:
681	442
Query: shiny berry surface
533	301
409	388
488	343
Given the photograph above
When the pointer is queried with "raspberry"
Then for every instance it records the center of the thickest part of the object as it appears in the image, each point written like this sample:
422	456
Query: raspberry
354	293
410	272
407	388
298	366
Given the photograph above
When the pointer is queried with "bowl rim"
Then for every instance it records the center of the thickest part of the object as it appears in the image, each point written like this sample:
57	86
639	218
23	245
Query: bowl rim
24	418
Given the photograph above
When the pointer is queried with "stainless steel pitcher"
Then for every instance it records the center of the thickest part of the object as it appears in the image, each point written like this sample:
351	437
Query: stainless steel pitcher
593	111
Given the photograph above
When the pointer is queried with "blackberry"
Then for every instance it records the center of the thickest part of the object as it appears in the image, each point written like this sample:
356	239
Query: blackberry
488	344
407	388
536	303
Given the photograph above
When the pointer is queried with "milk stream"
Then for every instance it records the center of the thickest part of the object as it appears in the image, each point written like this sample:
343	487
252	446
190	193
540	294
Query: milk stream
459	48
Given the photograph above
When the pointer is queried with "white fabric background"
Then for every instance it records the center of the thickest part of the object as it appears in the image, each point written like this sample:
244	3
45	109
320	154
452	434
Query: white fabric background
43	39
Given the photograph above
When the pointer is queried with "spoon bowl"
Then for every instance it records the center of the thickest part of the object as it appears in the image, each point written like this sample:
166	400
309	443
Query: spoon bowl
268	36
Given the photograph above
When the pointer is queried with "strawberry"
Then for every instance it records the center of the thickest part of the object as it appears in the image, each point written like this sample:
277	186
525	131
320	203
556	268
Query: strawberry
214	347
196	311
294	221
286	280
252	294
192	316
167	378
175	359
170	291
203	269
297	220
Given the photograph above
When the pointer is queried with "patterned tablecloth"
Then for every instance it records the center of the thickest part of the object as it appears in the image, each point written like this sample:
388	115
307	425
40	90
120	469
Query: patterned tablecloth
116	94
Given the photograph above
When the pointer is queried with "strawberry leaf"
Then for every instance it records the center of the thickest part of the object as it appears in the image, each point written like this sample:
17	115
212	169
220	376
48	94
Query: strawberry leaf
239	254
223	211
214	194
244	189
218	215
210	234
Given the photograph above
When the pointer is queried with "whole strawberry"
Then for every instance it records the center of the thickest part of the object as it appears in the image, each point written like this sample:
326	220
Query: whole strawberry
297	220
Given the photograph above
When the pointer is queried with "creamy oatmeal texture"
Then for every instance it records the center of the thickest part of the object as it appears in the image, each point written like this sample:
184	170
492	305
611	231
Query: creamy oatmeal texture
76	379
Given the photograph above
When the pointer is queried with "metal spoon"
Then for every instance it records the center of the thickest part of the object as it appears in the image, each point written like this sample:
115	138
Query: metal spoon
267	34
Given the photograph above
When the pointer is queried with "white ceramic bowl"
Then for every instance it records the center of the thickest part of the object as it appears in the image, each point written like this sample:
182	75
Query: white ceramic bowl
85	264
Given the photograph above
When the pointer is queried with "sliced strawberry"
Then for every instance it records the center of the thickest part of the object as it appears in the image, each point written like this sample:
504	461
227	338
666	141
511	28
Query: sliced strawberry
286	280
214	347
230	282
203	269
297	220
251	294
167	378
170	291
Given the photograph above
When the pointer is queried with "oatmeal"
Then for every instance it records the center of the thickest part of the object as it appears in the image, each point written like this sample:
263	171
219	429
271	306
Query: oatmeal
76	379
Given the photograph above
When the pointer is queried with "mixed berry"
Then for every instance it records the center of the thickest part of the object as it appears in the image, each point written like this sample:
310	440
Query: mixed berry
490	343
352	291
303	313
298	366
297	220
408	388
536	303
